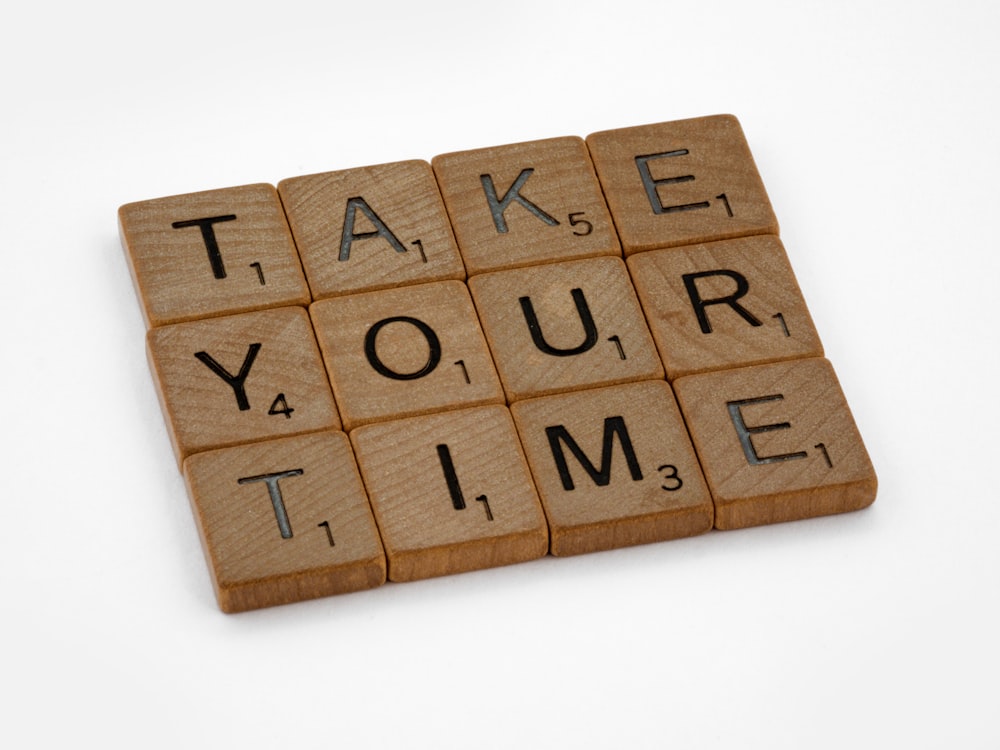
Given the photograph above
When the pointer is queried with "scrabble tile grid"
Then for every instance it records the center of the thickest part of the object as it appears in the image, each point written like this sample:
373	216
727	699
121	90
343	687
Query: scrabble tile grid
378	373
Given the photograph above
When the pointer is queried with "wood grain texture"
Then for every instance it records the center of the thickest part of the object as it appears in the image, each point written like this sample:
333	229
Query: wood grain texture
267	379
414	491
723	304
404	352
636	478
596	335
681	183
371	228
179	274
525	203
777	442
284	520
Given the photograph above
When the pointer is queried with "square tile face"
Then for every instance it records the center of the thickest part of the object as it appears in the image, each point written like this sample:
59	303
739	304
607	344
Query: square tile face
614	467
371	228
284	520
681	183
403	352
777	443
451	492
723	304
525	203
211	253
568	325
240	378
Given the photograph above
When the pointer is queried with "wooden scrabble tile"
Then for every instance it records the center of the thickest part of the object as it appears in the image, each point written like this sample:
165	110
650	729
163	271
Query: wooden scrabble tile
371	228
777	442
568	325
681	183
211	253
451	492
525	203
723	304
614	467
407	351
240	378
284	520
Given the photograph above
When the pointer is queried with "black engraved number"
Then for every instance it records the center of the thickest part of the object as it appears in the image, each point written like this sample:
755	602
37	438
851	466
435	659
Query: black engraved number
826	453
420	247
670	476
585	225
329	534
260	272
725	202
781	319
280	406
486	505
618	343
465	371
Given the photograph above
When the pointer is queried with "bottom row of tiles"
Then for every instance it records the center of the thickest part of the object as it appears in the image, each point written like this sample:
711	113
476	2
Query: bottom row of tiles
326	513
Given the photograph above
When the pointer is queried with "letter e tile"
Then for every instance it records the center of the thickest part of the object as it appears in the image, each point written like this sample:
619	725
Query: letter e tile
680	183
284	520
239	378
777	442
614	467
216	252
451	492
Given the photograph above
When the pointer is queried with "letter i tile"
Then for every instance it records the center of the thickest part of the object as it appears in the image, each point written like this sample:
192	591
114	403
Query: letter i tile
239	378
451	492
777	442
284	520
614	467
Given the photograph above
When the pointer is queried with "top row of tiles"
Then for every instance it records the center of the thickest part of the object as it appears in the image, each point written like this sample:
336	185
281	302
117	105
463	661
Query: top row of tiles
465	213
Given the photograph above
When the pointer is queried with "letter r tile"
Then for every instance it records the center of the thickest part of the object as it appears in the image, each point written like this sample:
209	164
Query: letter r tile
284	520
239	378
406	351
614	467
525	203
723	304
216	252
681	183
371	228
451	492
777	442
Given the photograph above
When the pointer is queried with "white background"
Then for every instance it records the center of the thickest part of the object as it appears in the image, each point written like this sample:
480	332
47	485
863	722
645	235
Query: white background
874	126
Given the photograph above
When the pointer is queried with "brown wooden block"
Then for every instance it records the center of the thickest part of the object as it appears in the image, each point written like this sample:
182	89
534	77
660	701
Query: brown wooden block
407	351
284	520
525	203
451	492
211	253
568	325
777	442
371	228
614	467
240	378
681	183
723	305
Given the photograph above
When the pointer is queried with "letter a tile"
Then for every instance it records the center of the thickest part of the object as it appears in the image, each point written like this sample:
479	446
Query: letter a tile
284	520
451	492
371	228
680	183
614	467
777	442
239	378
